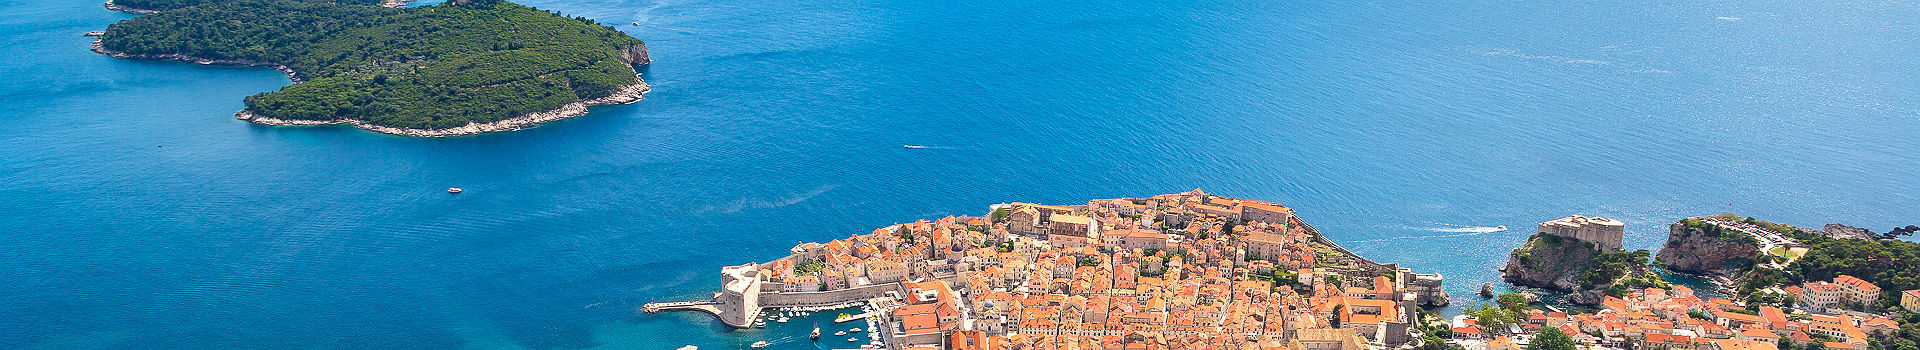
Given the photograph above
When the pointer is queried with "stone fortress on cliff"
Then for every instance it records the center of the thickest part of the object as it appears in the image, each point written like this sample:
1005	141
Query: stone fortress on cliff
1604	233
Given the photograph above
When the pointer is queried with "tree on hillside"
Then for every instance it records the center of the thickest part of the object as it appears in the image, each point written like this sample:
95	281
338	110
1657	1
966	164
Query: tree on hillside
1551	338
1491	317
1513	302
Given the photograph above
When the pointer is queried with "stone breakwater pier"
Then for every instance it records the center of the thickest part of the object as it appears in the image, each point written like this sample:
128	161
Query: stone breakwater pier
745	294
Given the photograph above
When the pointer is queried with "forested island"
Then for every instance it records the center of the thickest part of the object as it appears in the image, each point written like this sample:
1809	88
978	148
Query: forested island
457	68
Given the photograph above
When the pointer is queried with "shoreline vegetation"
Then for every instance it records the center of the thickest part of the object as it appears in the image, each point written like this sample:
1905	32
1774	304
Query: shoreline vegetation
369	67
626	95
110	5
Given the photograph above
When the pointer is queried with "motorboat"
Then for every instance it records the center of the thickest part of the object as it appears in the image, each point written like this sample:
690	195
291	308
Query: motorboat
855	330
816	333
915	146
454	190
1500	228
840	333
760	344
850	340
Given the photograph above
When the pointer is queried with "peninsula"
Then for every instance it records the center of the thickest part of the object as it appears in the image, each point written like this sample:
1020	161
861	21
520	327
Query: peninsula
1583	257
1178	271
1780	287
458	68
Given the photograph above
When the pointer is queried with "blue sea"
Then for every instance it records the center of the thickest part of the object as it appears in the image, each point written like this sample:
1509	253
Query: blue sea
136	213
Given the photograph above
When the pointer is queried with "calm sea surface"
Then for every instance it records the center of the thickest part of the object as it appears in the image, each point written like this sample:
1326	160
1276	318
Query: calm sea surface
135	213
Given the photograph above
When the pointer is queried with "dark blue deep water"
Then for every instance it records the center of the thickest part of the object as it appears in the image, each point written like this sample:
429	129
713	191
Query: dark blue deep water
135	213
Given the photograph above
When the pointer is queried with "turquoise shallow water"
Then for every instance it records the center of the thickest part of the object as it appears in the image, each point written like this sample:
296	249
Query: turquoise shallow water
140	215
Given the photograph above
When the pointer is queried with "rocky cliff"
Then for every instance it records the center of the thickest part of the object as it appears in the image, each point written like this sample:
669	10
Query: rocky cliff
1705	249
1550	262
1847	232
636	54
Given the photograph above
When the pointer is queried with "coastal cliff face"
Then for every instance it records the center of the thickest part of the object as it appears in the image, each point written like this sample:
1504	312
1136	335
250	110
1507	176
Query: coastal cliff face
636	54
1699	250
1550	262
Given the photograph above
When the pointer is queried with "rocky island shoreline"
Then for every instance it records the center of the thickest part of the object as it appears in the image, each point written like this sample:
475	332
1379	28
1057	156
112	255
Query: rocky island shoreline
138	11
625	95
291	75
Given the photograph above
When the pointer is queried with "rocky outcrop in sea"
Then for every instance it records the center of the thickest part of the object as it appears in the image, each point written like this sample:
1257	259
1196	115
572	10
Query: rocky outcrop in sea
1706	251
1550	262
1554	263
1847	232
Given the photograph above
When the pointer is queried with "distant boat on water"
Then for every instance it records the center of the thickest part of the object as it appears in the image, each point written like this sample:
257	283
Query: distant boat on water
454	190
915	146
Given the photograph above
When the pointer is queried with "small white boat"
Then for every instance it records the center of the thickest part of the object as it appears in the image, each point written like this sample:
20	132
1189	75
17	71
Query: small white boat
840	333
783	319
453	190
850	340
855	330
1501	227
915	146
689	347
760	344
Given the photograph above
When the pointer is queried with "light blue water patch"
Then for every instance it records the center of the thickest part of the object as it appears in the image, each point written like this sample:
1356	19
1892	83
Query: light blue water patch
141	215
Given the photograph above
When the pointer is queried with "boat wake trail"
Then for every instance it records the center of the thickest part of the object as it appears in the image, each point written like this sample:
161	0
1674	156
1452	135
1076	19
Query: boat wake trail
912	146
1476	229
1451	230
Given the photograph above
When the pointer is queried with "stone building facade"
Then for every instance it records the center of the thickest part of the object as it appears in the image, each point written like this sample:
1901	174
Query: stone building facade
1604	233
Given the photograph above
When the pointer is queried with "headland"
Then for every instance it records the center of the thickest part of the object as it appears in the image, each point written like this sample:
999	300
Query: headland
1168	271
